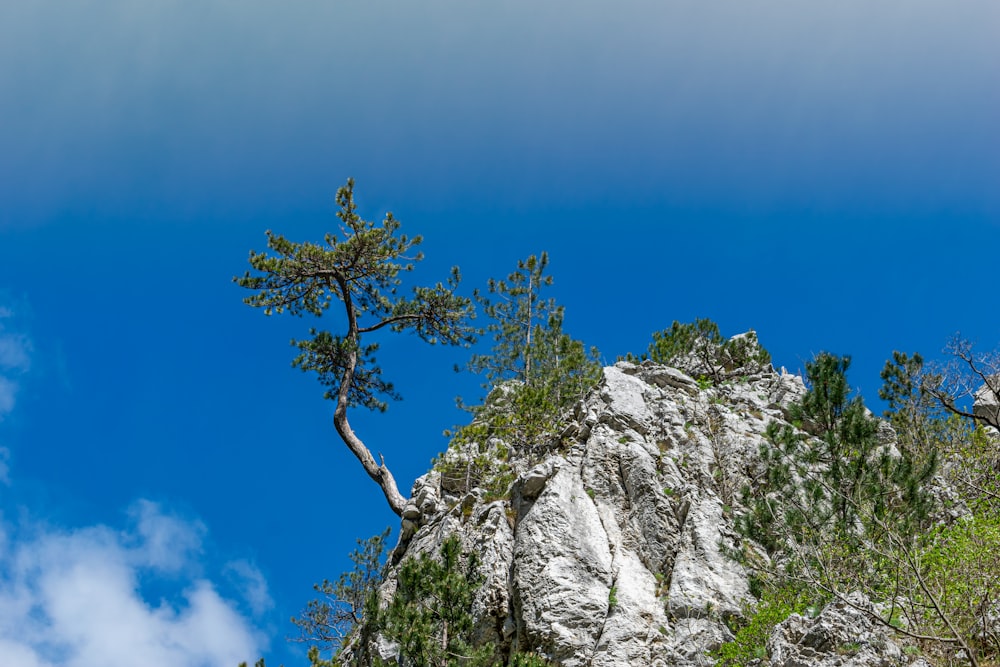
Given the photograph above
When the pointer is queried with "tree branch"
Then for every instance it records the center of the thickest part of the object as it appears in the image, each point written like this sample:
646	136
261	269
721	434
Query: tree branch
395	319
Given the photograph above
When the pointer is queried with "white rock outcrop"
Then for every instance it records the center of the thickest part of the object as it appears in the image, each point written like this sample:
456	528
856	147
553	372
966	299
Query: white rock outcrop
986	405
842	635
611	550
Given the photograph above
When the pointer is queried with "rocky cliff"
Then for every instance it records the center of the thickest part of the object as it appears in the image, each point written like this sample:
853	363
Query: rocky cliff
611	547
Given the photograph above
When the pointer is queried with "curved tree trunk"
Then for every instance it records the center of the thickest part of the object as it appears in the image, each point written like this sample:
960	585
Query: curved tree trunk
377	471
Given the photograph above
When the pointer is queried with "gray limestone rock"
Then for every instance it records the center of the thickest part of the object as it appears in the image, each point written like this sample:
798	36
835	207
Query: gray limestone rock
562	572
705	582
842	635
611	550
987	404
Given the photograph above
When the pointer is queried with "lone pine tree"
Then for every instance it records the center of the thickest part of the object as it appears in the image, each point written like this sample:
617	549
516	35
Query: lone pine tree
360	270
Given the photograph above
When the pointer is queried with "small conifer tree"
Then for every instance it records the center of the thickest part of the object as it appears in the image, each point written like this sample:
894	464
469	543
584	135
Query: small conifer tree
838	485
430	616
538	368
348	607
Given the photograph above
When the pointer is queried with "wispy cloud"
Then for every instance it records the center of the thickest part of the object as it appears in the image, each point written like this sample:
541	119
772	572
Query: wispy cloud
251	583
73	597
14	349
165	543
8	392
15	360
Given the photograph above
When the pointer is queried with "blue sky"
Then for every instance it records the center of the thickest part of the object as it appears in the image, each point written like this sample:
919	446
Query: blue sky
828	174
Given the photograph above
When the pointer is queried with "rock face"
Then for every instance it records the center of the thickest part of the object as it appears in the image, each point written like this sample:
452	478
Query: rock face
841	635
987	402
610	550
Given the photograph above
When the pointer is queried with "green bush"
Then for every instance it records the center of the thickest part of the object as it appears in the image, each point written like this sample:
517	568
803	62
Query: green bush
476	459
534	370
962	563
698	349
750	641
429	617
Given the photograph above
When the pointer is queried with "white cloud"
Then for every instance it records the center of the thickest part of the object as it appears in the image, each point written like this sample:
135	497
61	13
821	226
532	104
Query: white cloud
17	654
8	393
4	468
15	360
251	582
166	543
14	350
74	598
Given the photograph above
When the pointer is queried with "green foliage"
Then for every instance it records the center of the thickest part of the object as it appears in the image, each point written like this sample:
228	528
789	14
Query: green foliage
841	513
362	271
517	310
681	340
528	660
697	348
827	497
849	648
430	615
973	457
476	459
920	423
744	355
826	403
529	345
961	562
348	603
901	384
951	578
534	371
928	431
749	643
